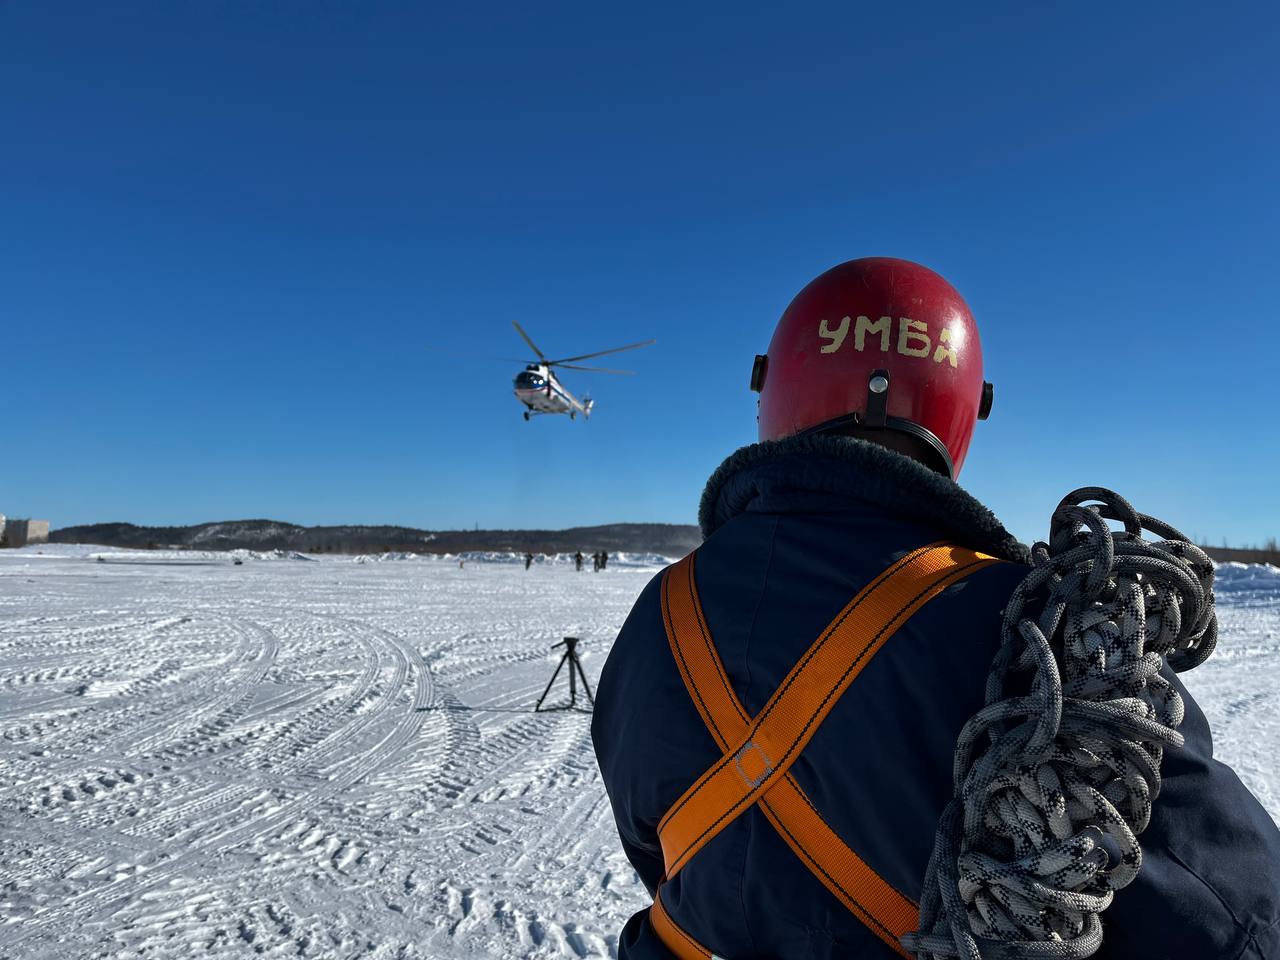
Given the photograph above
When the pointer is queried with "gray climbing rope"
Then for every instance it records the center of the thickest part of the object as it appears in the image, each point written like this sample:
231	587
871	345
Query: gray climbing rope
1055	776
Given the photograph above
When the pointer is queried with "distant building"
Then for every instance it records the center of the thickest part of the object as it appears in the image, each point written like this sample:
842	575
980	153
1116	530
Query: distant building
18	533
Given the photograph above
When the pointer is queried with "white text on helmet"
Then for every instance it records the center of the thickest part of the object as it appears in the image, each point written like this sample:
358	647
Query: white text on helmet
913	337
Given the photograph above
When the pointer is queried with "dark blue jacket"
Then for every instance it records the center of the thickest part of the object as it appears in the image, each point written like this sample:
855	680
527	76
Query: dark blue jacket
793	530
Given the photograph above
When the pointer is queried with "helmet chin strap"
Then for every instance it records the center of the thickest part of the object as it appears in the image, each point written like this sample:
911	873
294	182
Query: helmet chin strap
866	425
877	399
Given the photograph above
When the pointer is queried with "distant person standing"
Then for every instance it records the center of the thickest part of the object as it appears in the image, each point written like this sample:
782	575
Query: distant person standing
595	562
604	559
528	560
577	561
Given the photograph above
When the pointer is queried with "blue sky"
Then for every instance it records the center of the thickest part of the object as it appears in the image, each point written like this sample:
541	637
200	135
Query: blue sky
230	232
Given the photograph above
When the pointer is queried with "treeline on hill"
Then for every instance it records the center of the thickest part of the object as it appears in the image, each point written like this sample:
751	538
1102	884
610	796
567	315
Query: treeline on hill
672	540
1267	553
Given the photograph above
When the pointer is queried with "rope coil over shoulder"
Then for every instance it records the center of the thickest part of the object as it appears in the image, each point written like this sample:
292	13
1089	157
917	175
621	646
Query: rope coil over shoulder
757	752
1063	762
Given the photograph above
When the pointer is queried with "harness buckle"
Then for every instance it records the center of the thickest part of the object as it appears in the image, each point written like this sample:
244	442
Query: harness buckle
753	782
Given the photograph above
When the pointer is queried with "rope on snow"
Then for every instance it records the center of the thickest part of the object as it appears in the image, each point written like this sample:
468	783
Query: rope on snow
1055	776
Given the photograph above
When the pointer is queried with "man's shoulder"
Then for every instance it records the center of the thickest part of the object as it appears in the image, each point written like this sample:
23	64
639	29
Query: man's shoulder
643	628
650	597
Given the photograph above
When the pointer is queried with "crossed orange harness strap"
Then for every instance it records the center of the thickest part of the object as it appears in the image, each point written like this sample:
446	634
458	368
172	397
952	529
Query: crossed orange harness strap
758	752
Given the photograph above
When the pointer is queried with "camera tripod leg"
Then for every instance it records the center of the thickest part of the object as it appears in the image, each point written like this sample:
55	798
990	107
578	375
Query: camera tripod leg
538	705
576	673
586	687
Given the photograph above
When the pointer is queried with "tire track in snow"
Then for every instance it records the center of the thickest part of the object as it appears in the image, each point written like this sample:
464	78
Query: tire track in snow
299	864
93	905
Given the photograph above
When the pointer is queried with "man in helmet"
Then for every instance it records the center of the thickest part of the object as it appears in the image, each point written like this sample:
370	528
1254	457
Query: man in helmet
772	816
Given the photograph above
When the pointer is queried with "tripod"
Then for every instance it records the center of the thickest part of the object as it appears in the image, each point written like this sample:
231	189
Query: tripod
570	657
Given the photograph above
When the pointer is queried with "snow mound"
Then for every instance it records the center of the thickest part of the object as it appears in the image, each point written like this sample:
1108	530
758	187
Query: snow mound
384	557
265	555
1233	577
630	561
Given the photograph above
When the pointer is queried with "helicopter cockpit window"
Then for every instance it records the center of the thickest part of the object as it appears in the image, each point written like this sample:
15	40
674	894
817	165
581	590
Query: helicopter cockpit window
529	381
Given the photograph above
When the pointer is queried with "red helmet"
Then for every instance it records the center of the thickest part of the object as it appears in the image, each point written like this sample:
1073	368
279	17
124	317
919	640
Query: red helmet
877	343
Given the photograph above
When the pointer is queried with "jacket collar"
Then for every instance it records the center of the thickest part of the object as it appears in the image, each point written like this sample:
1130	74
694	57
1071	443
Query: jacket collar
825	472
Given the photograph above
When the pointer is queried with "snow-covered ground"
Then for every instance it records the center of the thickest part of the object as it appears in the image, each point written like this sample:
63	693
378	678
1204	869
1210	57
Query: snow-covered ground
338	759
1239	686
281	758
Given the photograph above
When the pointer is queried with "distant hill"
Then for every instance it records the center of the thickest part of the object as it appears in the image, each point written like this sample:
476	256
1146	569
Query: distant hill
668	539
672	540
1268	554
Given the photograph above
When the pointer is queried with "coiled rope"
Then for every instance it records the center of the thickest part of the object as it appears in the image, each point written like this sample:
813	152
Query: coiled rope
1055	776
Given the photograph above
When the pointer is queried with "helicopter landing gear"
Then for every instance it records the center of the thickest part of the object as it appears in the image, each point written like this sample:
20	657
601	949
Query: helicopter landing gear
526	415
573	415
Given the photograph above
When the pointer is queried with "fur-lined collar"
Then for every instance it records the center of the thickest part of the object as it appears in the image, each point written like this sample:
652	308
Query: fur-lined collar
845	468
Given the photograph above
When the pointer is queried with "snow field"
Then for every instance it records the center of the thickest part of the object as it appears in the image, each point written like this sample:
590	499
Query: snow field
302	759
1239	686
338	759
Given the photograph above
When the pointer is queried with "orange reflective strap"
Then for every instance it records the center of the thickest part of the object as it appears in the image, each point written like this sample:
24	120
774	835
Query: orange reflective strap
695	653
862	891
882	908
878	905
757	753
775	738
672	936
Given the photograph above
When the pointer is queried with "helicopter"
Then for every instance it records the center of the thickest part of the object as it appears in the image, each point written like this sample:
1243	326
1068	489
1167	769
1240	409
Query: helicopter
538	388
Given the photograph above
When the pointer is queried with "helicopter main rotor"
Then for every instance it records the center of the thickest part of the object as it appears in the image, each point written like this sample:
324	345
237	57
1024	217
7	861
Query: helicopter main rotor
568	363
